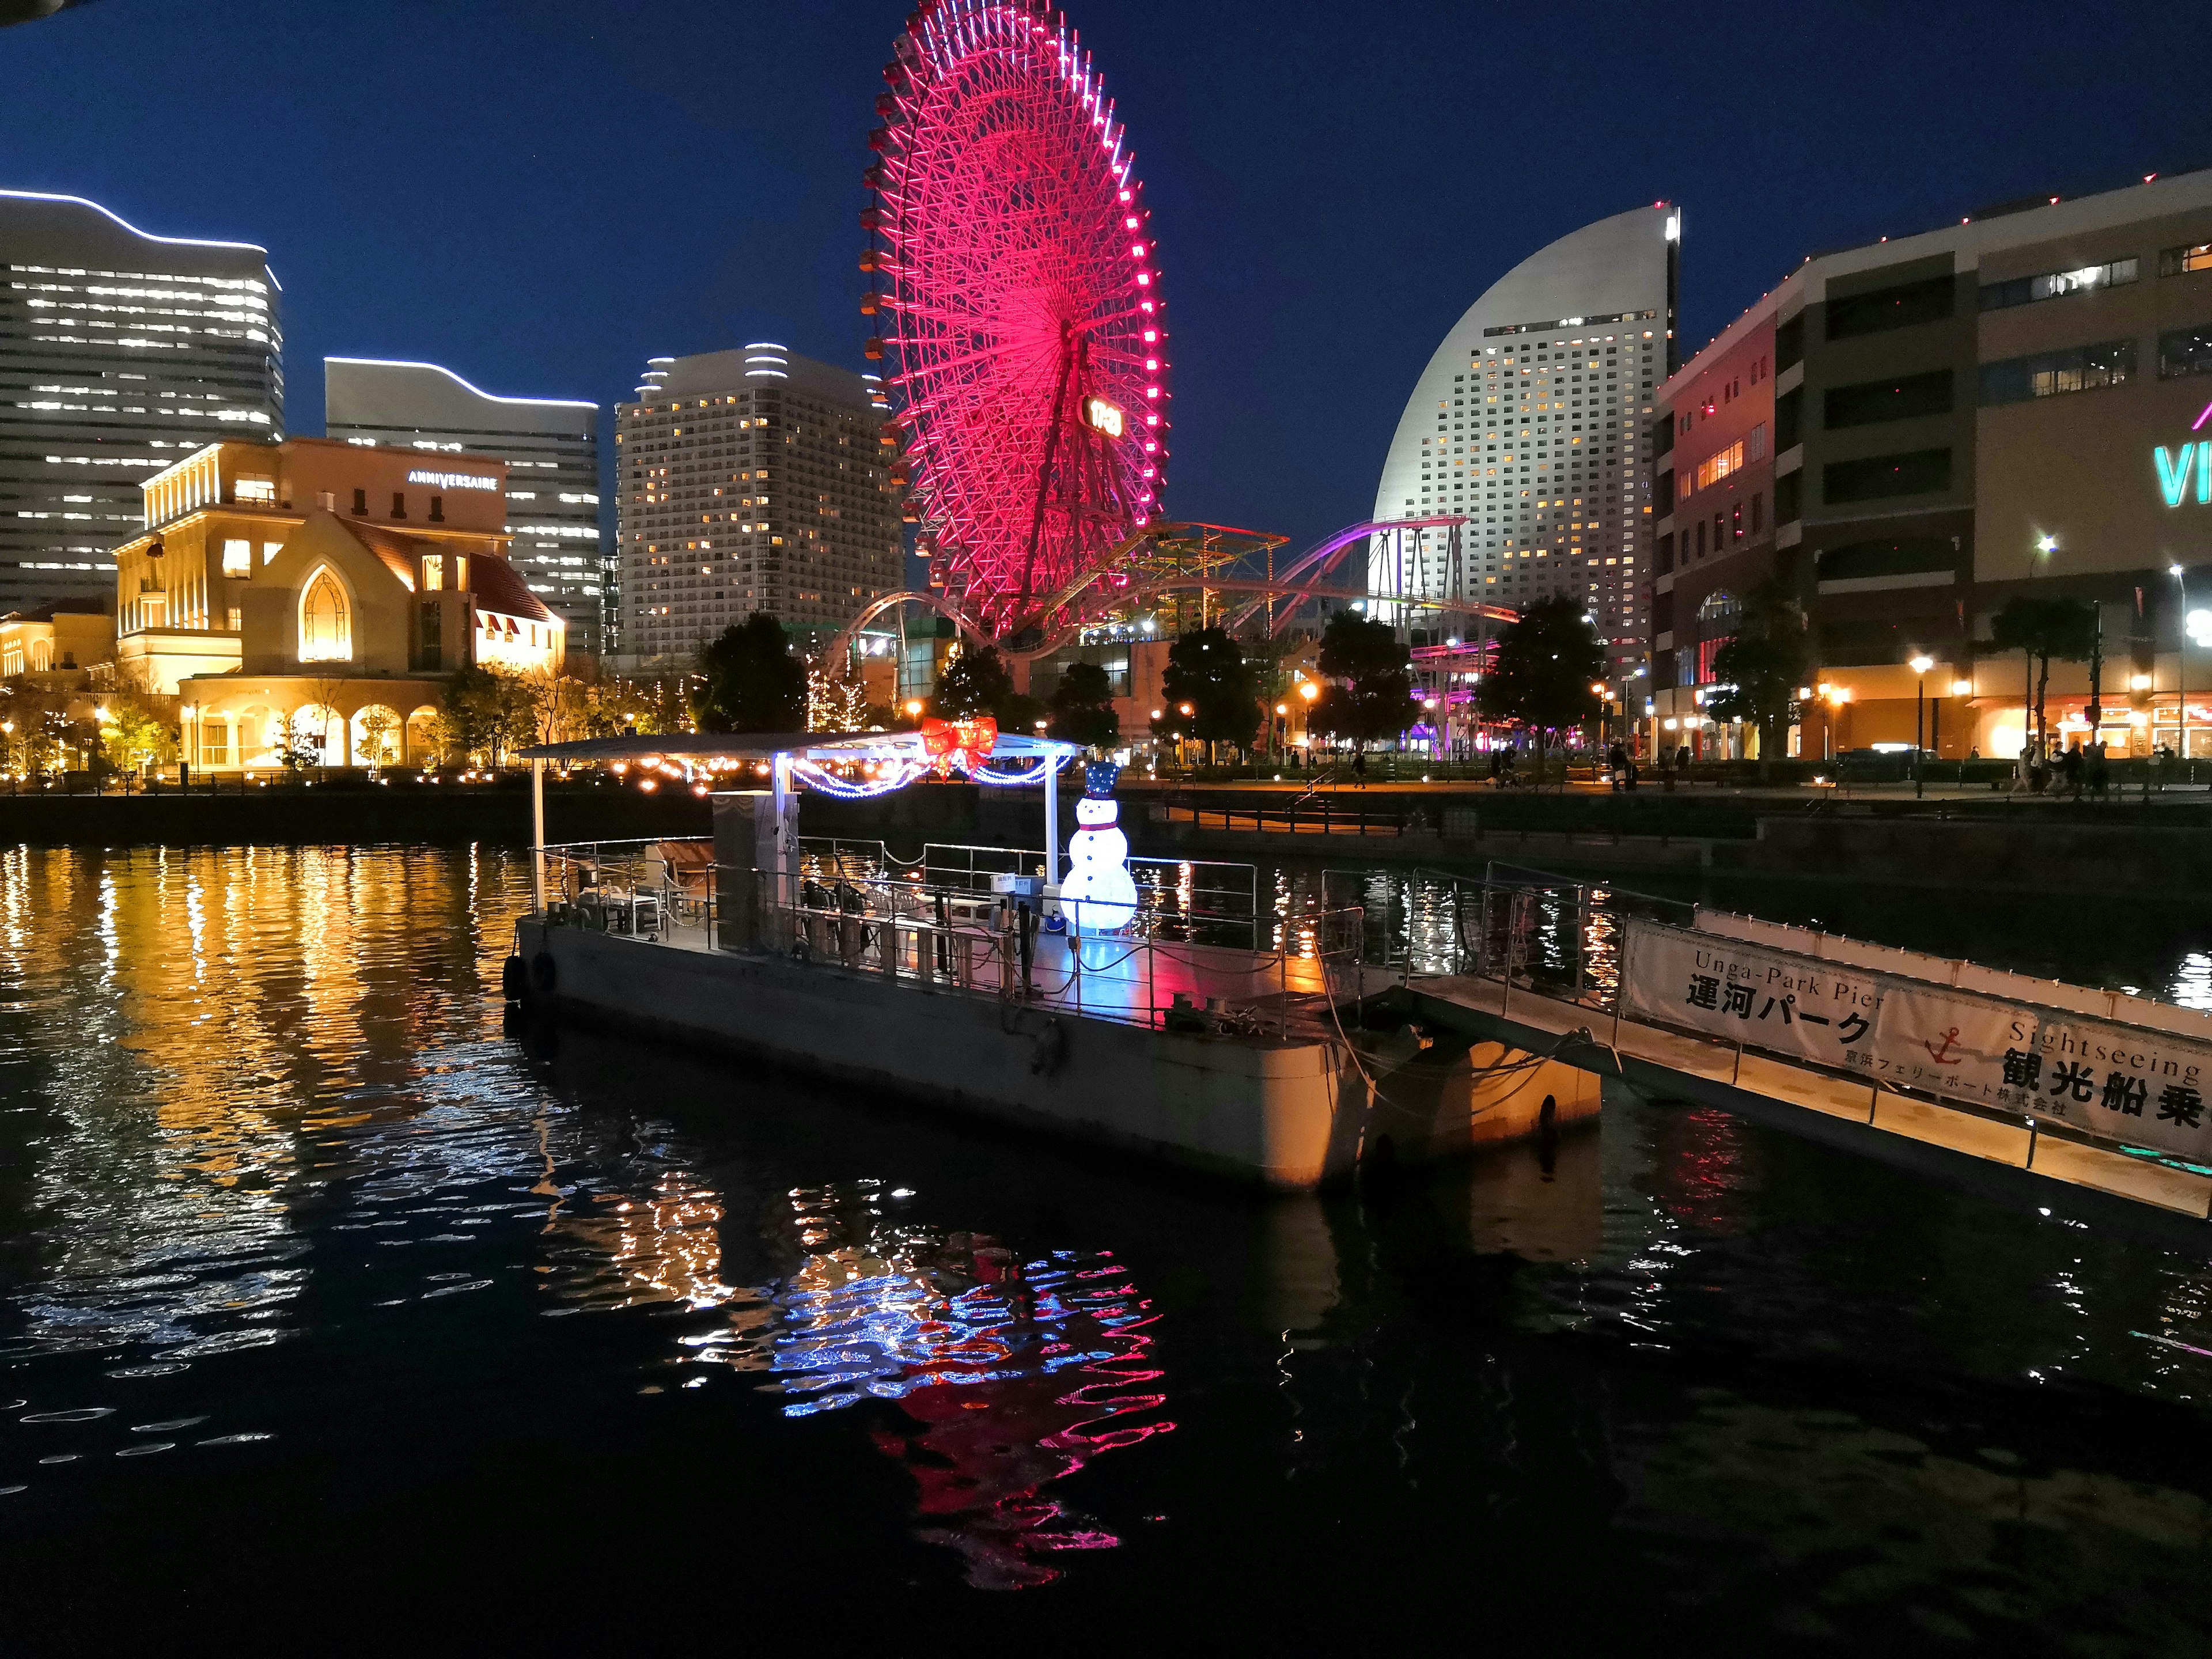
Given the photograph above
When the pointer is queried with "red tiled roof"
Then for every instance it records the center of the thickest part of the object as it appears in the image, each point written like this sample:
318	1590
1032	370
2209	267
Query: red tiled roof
397	552
496	583
499	586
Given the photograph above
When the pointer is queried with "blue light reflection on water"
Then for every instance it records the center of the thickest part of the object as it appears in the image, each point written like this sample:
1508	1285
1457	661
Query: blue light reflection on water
259	1128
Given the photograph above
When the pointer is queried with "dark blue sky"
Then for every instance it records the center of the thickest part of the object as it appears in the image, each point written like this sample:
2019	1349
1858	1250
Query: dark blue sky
540	194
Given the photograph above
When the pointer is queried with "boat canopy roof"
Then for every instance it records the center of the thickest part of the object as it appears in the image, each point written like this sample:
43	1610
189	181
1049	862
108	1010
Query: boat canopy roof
709	747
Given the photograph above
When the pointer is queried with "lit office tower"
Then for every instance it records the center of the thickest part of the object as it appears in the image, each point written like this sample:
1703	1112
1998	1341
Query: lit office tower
751	480
1530	424
120	354
551	448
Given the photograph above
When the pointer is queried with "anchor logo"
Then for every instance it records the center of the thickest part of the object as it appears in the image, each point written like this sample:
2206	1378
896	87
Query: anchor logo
1942	1051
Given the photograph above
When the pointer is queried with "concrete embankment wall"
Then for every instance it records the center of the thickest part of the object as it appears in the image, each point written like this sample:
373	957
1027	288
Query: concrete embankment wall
2170	863
2162	852
2149	861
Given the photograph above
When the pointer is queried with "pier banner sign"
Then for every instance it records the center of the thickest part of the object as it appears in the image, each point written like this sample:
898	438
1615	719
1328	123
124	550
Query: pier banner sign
2123	1083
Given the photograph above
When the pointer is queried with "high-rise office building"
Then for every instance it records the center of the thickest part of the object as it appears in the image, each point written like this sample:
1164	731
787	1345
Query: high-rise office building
751	480
551	448
1530	421
120	354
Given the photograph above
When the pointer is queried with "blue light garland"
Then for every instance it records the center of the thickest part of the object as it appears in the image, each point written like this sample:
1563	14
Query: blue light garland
815	777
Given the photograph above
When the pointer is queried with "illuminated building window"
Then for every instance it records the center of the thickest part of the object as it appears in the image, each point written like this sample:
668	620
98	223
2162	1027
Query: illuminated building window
2047	374
434	571
2056	284
2181	261
326	620
238	558
260	489
2185	351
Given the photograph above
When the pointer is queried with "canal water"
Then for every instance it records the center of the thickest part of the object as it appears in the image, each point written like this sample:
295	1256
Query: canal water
330	1306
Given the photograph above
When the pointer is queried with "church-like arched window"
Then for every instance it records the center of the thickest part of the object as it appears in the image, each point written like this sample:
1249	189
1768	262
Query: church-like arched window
326	620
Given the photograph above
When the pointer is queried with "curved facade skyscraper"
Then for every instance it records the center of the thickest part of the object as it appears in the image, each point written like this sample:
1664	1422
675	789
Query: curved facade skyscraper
1531	420
121	353
551	448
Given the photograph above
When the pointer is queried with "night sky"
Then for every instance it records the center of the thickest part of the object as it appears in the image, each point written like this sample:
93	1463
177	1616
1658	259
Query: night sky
540	194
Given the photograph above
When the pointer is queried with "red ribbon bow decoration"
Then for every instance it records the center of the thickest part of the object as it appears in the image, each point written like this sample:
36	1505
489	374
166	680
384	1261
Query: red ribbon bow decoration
963	743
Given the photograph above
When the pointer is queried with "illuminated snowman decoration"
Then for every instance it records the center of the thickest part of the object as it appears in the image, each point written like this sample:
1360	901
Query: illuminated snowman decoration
1098	896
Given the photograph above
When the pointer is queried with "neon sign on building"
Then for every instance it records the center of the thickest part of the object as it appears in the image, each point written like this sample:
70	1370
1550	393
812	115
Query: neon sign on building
2177	466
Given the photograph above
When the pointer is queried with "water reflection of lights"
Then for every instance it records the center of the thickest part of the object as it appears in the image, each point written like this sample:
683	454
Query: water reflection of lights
1016	1374
1010	1375
2192	981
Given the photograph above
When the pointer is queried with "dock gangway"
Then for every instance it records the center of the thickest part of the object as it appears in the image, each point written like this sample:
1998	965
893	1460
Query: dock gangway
2091	1108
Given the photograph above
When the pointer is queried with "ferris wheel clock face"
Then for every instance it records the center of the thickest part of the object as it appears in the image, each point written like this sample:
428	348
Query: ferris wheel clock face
1017	293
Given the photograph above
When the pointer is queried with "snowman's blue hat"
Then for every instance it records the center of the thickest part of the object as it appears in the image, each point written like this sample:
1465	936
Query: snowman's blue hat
1099	778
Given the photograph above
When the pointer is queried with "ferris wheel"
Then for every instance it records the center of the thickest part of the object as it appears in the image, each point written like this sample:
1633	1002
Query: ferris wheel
1017	293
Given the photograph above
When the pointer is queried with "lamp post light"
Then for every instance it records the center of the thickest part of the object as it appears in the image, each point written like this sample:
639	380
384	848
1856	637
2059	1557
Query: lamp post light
2181	658
1920	665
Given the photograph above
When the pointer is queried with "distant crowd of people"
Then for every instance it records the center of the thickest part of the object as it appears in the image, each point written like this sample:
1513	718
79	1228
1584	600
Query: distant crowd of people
2080	768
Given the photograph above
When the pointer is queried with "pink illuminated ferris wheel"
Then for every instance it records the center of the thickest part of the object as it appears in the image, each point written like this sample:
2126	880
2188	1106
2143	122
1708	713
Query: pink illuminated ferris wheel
1017	293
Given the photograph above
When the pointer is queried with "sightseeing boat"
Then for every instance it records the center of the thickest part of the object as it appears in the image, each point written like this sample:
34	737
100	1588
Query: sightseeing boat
1157	1011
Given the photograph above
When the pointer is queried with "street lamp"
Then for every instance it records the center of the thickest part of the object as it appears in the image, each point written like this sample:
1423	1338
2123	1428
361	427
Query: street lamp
1920	665
2181	658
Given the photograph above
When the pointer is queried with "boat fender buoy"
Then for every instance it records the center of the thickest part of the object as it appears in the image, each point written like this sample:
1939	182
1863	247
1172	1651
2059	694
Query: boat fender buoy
543	974
514	979
1049	1051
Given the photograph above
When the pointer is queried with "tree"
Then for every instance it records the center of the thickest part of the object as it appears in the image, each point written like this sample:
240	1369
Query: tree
750	681
1367	681
1544	668
136	726
376	727
975	682
1211	691
653	706
42	725
486	711
1759	670
133	733
835	702
1083	707
2042	628
560	706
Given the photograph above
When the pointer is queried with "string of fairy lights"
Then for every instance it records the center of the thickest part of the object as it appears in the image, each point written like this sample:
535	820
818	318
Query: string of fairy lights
854	780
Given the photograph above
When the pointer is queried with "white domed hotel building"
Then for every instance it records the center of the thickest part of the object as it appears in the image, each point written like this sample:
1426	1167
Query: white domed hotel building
1531	420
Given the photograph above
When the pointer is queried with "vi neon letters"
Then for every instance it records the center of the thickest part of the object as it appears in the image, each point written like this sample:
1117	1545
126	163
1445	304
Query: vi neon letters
2177	467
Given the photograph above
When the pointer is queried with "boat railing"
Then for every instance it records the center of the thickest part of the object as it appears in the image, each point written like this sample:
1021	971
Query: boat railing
1091	960
1206	901
1073	955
